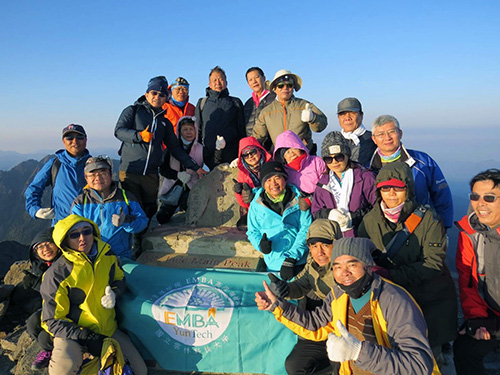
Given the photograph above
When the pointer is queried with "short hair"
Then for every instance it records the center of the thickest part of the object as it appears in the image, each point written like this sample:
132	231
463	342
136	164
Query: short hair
219	70
491	174
384	119
255	68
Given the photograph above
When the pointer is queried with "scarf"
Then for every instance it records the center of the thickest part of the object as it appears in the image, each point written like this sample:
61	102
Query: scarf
296	163
353	136
179	104
279	199
342	188
390	158
391	214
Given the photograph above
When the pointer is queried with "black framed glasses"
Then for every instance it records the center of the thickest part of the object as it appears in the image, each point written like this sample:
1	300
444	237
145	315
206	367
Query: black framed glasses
85	233
338	158
474	197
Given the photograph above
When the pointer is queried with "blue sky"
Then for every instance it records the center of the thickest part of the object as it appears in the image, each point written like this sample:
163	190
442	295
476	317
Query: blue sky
432	64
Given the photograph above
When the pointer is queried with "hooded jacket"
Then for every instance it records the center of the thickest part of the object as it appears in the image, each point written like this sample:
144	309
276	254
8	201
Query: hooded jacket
478	283
221	115
419	265
311	168
400	330
174	113
90	205
138	156
73	286
278	117
287	232
243	173
363	197
431	186
69	182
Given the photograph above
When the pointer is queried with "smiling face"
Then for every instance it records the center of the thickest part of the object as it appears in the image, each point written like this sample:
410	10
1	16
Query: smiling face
348	269
321	253
156	98
188	132
99	180
350	121
393	198
338	166
217	81
180	93
75	144
291	154
275	186
251	157
387	138
46	251
256	81
487	213
284	91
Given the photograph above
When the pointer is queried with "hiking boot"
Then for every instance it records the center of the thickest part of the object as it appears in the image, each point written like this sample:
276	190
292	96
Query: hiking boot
42	360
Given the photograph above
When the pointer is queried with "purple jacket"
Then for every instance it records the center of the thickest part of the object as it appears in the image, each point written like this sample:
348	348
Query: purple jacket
311	169
363	197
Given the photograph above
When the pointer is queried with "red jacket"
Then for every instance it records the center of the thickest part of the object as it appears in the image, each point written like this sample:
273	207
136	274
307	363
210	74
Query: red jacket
473	305
243	174
174	113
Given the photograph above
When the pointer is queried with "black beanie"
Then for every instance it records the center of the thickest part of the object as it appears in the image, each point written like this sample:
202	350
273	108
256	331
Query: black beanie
270	169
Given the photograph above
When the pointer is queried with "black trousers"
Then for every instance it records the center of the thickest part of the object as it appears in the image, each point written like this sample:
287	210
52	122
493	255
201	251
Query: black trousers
469	353
35	330
309	357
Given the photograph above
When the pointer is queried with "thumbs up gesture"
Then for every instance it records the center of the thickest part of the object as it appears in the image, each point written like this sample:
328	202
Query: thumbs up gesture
220	143
265	299
307	114
146	135
118	219
108	300
342	348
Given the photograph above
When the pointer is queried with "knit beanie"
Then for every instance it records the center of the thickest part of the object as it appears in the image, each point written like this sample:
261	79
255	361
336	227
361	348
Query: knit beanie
323	230
179	81
272	168
158	83
335	143
360	248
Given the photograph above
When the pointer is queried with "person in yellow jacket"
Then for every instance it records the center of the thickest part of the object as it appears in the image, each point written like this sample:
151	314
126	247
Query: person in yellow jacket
79	295
372	325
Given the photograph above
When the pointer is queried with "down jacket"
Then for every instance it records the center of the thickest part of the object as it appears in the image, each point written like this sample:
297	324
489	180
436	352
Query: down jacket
174	113
287	233
90	205
73	286
419	265
311	169
400	329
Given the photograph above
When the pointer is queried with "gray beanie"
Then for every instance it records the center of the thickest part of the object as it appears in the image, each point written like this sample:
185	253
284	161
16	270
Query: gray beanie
335	143
360	248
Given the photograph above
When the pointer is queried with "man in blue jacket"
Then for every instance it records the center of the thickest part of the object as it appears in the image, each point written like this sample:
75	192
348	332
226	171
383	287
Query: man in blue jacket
430	185
116	212
64	173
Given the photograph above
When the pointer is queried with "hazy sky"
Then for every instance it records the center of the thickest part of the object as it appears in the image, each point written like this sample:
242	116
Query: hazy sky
432	64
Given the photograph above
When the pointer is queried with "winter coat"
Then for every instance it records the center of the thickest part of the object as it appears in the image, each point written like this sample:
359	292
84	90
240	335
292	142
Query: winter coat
311	168
397	321
243	173
174	113
90	205
69	182
73	286
430	185
287	232
138	156
478	288
251	112
363	197
221	115
278	117
419	265
363	152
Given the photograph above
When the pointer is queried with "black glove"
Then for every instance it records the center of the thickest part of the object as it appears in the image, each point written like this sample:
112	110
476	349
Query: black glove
238	187
278	287
247	193
304	202
28	280
382	260
265	245
286	271
92	341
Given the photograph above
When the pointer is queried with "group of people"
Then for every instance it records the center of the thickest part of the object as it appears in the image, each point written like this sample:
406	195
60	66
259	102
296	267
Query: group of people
343	232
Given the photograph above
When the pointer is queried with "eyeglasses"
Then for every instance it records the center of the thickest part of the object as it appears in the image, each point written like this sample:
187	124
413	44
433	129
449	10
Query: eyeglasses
397	189
282	85
43	245
180	88
79	137
85	233
250	153
487	198
338	158
93	175
157	93
390	133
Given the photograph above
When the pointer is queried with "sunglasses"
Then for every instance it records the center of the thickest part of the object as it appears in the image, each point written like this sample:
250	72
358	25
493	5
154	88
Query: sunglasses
487	198
246	155
79	137
85	232
398	189
338	158
281	85
157	93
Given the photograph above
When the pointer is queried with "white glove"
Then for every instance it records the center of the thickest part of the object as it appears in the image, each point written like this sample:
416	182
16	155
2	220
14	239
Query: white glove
341	216
220	143
119	218
234	163
108	300
184	177
343	348
307	114
45	213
